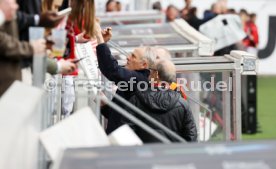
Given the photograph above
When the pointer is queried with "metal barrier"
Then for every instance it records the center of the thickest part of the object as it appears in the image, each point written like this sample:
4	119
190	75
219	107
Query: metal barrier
231	68
131	17
178	37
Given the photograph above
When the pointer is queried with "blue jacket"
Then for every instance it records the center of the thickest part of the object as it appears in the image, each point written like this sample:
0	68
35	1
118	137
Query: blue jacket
113	72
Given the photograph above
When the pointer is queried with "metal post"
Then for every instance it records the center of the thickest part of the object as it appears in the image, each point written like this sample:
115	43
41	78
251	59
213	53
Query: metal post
59	81
226	101
237	104
205	108
210	126
39	71
204	123
39	61
43	109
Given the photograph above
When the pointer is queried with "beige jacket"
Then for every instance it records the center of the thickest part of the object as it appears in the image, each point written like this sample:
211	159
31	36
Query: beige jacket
11	53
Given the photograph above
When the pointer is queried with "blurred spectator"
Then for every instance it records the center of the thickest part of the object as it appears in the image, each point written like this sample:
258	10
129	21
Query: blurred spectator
51	5
171	13
164	105
64	66
252	40
210	14
13	51
192	18
118	6
80	29
184	12
244	16
111	6
7	10
157	6
29	14
253	18
216	9
223	6
188	4
231	11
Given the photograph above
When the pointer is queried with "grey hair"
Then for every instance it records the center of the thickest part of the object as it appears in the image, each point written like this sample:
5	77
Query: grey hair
166	74
150	56
166	54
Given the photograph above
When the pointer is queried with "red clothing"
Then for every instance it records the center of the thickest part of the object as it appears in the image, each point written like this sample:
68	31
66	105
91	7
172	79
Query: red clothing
72	32
252	39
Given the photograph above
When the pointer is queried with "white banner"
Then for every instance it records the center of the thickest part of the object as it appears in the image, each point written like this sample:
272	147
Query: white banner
90	62
219	28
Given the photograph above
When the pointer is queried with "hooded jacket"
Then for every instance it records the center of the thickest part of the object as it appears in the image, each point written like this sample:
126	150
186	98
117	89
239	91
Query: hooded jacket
167	107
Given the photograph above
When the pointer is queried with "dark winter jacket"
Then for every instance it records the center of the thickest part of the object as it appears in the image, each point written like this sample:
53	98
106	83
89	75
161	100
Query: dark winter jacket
113	72
170	109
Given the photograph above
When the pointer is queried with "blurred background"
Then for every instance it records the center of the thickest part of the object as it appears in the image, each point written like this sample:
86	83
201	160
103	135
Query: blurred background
266	27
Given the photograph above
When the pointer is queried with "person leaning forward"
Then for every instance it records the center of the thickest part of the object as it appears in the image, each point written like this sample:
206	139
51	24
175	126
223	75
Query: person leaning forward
164	105
136	70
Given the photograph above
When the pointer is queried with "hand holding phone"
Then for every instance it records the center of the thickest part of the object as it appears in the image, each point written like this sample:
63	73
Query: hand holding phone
77	60
65	12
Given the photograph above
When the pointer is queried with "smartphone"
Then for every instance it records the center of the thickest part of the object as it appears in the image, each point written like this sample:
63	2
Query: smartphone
77	60
64	12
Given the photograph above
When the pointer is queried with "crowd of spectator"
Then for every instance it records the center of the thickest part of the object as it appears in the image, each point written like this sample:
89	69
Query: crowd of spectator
189	14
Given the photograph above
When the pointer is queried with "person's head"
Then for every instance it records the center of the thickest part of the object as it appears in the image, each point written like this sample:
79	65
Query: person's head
172	13
118	6
184	13
193	11
164	71
157	6
51	5
244	15
162	53
141	58
188	3
111	6
223	6
216	8
253	17
231	11
83	14
9	8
